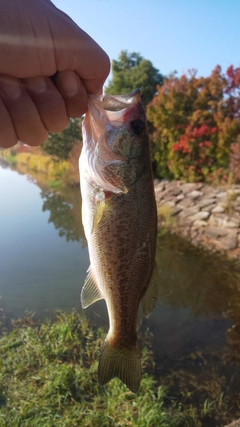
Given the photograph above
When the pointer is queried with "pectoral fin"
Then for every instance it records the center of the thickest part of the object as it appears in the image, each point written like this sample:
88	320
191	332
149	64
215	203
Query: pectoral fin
99	209
90	292
150	297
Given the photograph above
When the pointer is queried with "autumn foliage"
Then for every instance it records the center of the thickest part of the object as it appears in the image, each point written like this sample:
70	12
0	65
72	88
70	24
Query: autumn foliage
195	122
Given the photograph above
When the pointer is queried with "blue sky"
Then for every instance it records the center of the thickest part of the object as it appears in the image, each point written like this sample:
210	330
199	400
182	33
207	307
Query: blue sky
173	34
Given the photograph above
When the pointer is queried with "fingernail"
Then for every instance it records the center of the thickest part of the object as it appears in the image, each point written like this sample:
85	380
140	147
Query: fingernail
10	87
69	84
36	84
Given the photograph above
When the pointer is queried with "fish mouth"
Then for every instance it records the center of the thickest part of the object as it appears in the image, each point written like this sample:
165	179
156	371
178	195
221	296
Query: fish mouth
113	106
120	102
107	109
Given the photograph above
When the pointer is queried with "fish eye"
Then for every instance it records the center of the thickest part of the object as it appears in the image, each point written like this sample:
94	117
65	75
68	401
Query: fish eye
137	127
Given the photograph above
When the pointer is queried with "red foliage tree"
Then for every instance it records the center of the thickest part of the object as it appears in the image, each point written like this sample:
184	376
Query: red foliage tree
195	120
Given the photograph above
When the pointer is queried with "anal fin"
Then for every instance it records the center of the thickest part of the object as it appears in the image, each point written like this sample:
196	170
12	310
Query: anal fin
90	292
149	299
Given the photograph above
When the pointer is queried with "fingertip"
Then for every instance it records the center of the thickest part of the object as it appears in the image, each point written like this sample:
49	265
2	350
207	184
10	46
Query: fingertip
107	65
95	84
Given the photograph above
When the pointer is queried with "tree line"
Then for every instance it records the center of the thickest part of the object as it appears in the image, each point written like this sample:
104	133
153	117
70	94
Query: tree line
193	121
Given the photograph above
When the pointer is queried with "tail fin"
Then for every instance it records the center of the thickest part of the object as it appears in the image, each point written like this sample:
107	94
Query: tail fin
122	363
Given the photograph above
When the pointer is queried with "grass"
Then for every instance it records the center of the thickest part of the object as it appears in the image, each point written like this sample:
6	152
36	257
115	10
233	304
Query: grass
231	198
48	379
166	220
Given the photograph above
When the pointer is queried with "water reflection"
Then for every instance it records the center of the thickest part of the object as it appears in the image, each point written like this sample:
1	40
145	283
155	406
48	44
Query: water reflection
39	270
65	214
194	278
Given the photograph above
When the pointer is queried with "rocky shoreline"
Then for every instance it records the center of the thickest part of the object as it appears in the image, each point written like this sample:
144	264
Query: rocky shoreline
205	215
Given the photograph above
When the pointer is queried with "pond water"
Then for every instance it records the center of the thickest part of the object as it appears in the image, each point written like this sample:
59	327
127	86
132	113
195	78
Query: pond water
196	324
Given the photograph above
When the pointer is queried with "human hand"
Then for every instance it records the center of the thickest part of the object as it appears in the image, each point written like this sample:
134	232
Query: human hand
38	41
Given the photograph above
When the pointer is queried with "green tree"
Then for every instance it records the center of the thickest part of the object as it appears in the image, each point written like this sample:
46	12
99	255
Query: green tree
61	144
132	71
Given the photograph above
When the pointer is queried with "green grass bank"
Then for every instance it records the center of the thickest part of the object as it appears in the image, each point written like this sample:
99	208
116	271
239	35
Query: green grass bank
48	378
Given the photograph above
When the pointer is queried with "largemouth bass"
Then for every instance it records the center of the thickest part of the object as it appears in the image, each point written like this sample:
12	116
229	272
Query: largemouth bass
120	222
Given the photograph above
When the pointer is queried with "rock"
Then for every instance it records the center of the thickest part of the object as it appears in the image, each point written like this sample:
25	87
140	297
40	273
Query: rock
210	194
222	197
194	234
186	188
169	203
199	186
179	197
172	184
221	194
233	192
169	197
158	197
199	223
215	232
184	221
205	202
201	215
234	203
195	194
234	424
176	210
165	193
216	219
227	243
175	192
184	203
234	217
206	188
209	208
231	222
218	209
188	212
159	191
158	188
